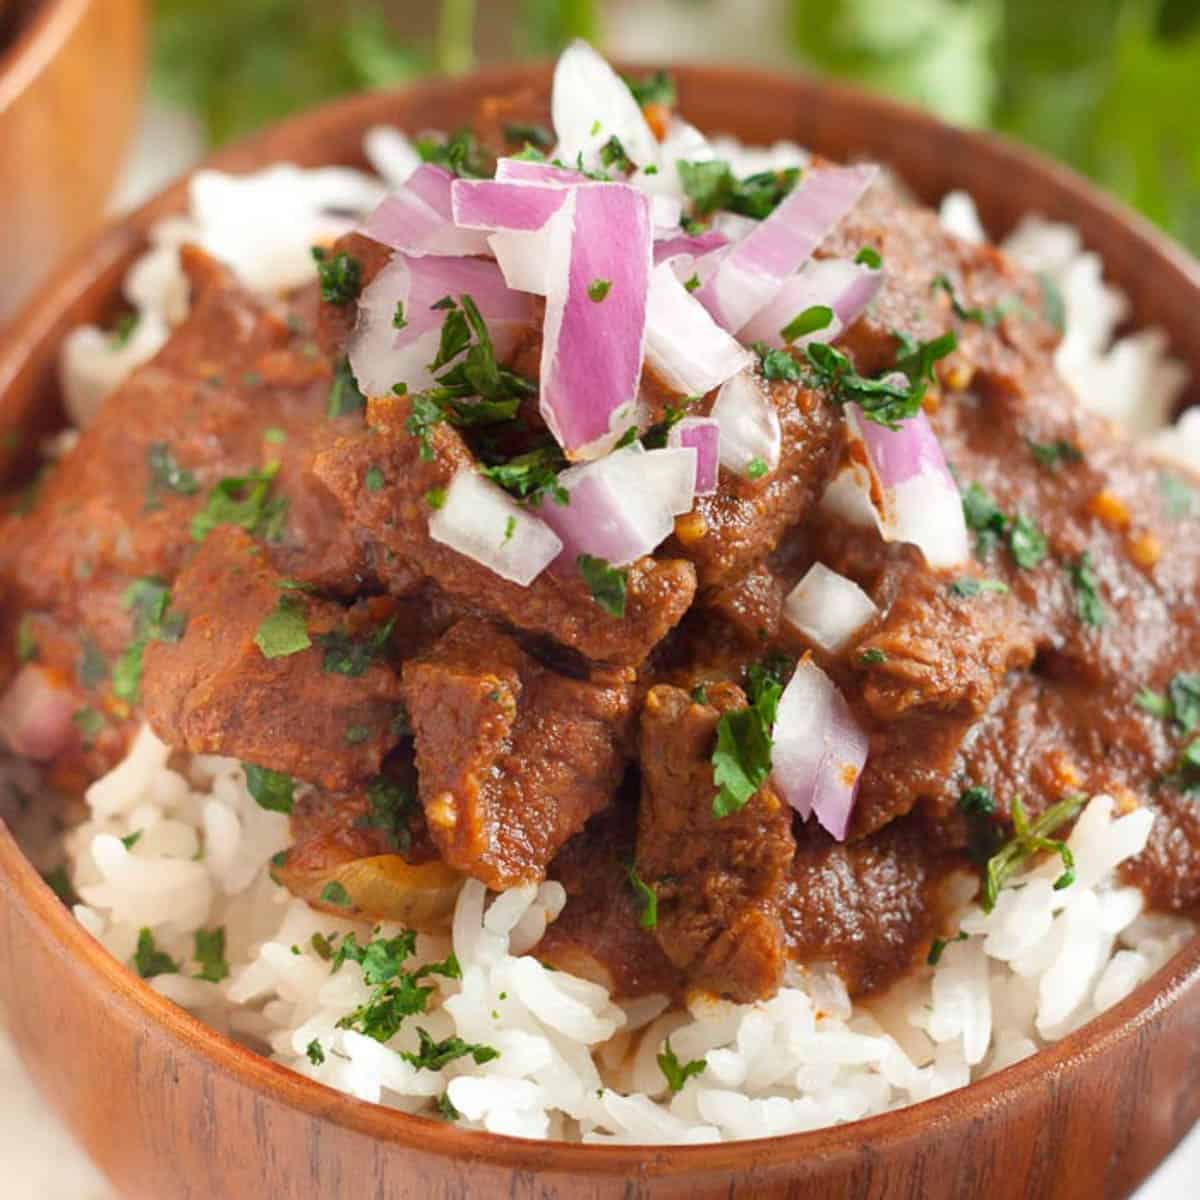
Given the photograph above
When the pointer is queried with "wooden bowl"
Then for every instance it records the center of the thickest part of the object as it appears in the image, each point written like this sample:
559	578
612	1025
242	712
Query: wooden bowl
171	1110
70	80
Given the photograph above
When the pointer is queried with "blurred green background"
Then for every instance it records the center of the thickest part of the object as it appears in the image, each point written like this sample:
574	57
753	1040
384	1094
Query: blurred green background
1110	86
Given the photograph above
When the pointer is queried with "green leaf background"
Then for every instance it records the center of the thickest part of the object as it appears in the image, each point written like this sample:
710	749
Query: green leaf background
1110	86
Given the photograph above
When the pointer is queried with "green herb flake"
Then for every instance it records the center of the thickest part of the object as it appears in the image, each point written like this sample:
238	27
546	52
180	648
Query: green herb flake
148	599
460	154
150	960
59	882
131	839
510	527
340	275
939	946
284	630
373	480
344	394
868	256
742	758
967	586
436	497
756	469
166	475
1179	500
123	330
244	501
692	283
977	801
1088	604
433	1056
389	804
598	290
210	955
1052	455
612	154
89	722
607	584
92	668
987	317
1180	704
658	88
873	657
445	1108
355	735
315	1053
811	320
517	134
646	895
674	1073
778	364
344	654
712	186
1027	542
1054	306
334	893
1029	839
27	649
271	790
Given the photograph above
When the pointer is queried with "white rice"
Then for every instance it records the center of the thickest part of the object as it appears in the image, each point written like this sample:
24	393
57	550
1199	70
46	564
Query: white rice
572	1062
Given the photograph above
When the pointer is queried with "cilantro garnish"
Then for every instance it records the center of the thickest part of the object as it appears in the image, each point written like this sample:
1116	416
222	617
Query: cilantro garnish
607	583
939	945
271	790
1054	307
868	256
388	804
166	473
873	657
340	276
244	501
92	669
612	154
315	1053
967	586
123	330
1186	775
210	954
373	479
811	320
284	630
460	154
674	1073
712	186
742	758
435	497
150	960
977	801
1025	539
433	1056
27	649
1029	839
756	468
131	839
1088	603
344	394
149	600
334	893
1054	454
349	655
647	897
530	135
778	364
655	438
89	722
598	290
1026	542
658	88
445	1108
987	317
1181	703
532	475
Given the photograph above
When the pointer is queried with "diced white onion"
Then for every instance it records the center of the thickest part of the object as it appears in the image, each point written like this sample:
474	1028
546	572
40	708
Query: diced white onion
750	430
828	609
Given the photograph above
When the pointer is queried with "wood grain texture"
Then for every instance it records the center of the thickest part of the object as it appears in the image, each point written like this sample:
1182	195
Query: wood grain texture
69	86
173	1112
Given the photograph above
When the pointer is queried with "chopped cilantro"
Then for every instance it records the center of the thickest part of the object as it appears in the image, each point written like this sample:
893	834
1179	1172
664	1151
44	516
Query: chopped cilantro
274	435
89	722
123	330
340	276
712	186
388	804
435	497
373	479
433	1056
322	946
608	584
1054	454
26	643
131	839
674	1073
699	694
334	893
1181	704
1155	703
658	88
348	655
399	320
271	790
612	154
150	960
1186	775
647	897
460	154
355	735
968	586
510	527
149	600
1029	839
92	669
655	438
868	256
166	474
598	290
445	1108
755	469
692	283
988	317
59	882
244	501
1088	603
1026	542
1179	500
284	630
811	320
939	945
315	1053
778	364
873	657
529	134
210	954
1054	307
742	758
344	394
977	800
982	515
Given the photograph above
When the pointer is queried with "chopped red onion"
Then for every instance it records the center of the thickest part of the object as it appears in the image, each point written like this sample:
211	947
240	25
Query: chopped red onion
920	501
598	277
524	170
513	207
819	750
845	288
382	355
35	715
688	351
750	431
484	523
622	507
703	435
417	220
590	104
752	273
688	245
828	609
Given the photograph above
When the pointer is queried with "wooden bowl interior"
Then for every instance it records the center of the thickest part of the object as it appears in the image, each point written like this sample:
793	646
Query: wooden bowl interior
171	1109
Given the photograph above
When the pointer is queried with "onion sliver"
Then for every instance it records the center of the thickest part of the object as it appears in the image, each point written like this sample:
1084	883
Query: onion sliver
751	437
597	280
688	351
514	207
845	288
417	218
688	245
920	501
524	170
828	609
752	273
591	103
35	715
703	435
623	506
819	750
382	355
484	523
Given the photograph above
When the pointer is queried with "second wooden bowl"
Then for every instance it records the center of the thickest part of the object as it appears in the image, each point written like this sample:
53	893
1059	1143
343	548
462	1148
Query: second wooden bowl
172	1111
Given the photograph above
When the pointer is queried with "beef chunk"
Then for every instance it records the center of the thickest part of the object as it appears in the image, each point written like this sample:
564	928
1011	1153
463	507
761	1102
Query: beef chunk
513	757
214	691
869	907
393	521
720	881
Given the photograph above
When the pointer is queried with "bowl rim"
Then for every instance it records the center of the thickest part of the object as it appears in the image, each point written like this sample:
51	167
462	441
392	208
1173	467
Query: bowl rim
1119	1027
40	36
